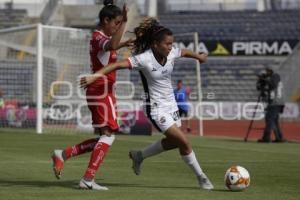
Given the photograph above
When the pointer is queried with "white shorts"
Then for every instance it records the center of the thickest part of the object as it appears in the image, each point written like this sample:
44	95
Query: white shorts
164	120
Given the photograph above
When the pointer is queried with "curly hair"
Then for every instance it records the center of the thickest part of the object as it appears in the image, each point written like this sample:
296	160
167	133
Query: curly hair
147	32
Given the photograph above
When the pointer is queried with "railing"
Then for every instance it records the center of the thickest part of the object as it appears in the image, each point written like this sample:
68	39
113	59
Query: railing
227	5
48	11
290	73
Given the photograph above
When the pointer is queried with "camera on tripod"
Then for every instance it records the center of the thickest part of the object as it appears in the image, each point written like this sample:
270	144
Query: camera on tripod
262	85
270	89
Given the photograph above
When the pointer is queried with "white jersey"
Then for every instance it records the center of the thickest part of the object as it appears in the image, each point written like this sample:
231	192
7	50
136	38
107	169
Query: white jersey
157	79
161	106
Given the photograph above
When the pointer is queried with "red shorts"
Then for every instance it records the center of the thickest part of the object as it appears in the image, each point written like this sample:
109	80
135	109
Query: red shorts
103	108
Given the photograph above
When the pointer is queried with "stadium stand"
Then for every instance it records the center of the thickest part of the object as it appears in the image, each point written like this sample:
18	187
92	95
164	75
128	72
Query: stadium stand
10	17
230	79
236	25
17	79
233	79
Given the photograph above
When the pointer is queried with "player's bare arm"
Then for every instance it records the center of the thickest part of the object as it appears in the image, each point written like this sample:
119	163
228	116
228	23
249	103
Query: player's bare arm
114	43
201	57
128	43
86	80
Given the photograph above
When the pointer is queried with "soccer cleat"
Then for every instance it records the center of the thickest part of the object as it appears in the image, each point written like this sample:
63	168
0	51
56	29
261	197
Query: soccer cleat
90	185
58	163
204	182
264	140
137	160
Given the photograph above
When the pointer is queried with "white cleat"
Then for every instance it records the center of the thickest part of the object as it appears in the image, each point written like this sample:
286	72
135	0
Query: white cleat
205	183
137	159
90	185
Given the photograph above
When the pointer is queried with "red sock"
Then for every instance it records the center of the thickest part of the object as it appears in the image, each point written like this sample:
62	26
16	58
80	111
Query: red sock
98	155
97	158
83	147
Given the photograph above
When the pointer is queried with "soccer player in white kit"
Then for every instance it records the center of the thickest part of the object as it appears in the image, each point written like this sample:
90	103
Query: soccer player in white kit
154	57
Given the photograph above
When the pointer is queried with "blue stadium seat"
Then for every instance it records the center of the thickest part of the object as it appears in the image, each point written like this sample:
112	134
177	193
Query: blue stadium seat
246	25
12	17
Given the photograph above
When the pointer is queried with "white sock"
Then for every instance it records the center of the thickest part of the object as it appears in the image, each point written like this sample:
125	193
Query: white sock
152	149
59	154
191	160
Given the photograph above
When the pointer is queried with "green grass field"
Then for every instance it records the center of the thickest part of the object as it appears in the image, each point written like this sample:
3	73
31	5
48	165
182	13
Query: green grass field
26	169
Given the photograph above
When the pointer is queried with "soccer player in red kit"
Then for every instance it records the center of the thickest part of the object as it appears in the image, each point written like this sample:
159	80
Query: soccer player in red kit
100	97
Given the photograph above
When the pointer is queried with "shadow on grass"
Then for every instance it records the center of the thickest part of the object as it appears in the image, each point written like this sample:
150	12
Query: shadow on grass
73	184
221	190
254	141
37	183
149	186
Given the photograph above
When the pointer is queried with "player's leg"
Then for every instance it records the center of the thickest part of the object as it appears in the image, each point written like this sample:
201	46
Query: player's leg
98	110
97	157
188	124
161	122
185	121
60	156
106	114
155	148
175	136
277	130
269	123
181	113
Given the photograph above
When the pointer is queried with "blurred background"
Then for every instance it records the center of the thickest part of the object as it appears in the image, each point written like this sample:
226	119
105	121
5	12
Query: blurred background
40	64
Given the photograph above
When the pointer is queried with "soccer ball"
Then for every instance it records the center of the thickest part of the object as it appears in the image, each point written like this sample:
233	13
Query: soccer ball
237	178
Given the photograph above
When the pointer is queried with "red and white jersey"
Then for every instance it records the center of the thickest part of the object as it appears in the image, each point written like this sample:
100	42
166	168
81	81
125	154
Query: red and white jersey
100	57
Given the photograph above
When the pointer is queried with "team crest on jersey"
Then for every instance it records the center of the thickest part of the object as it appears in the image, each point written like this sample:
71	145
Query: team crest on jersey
165	71
153	69
162	120
99	37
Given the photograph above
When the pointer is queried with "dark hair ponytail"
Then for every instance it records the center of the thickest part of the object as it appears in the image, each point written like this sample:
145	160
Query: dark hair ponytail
109	10
108	2
148	32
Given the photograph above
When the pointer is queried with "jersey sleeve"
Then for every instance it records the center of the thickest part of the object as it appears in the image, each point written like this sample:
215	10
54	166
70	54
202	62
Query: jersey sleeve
137	61
175	53
99	42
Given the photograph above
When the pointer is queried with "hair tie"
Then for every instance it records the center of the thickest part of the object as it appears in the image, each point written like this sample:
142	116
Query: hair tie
108	2
159	30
